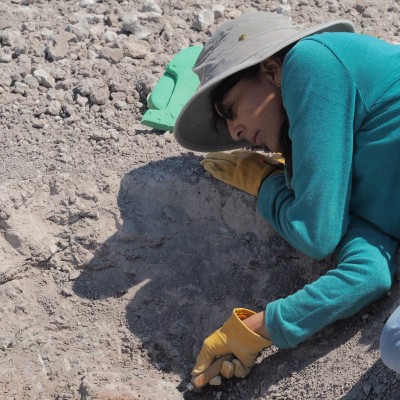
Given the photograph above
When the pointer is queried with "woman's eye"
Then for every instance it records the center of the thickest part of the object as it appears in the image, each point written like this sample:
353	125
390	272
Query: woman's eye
227	112
230	113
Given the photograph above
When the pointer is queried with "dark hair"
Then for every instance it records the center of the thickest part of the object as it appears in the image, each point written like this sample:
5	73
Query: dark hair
218	94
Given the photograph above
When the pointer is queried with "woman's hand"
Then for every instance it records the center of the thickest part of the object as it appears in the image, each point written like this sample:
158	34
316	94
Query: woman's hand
242	169
256	323
236	337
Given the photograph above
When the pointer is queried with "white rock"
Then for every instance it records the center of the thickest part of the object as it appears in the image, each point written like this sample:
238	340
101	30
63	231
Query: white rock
152	6
132	25
44	33
120	105
14	40
81	29
58	48
100	135
96	31
31	81
44	78
141	32
94	18
216	381
5	55
114	134
95	89
54	108
110	36
234	13
9	37
113	55
81	100
20	88
86	3
218	10
203	19
284	9
112	20
135	48
150	17
129	22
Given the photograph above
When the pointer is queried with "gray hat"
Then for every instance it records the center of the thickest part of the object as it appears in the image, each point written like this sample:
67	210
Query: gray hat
236	45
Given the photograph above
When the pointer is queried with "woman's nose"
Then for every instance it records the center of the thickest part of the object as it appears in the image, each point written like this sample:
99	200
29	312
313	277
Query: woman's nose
235	130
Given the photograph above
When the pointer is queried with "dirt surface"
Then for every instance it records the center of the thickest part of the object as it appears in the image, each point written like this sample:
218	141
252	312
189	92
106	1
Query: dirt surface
118	253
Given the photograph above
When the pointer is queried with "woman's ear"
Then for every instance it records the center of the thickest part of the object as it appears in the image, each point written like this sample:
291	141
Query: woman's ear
272	66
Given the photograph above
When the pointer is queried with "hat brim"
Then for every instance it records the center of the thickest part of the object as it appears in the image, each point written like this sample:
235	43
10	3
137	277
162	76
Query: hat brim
194	128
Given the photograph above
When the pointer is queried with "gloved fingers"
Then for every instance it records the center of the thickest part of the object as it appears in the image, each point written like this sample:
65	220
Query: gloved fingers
273	160
247	156
223	164
210	166
204	359
216	381
242	152
278	157
219	155
227	369
240	370
213	347
229	162
217	170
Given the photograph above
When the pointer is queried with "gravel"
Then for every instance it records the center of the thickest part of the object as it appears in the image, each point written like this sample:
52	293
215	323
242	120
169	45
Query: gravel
118	253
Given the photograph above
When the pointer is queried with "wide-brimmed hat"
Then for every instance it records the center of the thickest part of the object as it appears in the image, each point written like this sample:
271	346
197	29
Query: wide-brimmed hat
236	45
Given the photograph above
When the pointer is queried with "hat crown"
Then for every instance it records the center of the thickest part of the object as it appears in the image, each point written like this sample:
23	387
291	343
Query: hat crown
236	41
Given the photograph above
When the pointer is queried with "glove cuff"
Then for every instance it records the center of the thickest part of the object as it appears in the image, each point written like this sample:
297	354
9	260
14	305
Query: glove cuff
253	339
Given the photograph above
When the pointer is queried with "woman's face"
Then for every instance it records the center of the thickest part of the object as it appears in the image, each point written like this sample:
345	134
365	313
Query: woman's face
253	108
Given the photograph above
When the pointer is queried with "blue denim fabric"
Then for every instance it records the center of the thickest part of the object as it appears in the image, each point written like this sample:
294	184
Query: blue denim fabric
390	342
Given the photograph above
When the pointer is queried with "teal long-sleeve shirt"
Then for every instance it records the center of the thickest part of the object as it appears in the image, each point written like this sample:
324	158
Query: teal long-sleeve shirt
341	92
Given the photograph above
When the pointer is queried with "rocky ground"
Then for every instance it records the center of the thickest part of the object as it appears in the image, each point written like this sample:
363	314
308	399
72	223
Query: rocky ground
118	253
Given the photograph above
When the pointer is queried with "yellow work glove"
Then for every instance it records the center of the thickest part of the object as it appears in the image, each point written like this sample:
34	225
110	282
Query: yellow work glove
236	338
243	169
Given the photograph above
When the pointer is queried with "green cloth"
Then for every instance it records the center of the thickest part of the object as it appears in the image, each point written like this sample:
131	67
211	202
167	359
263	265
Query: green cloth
173	90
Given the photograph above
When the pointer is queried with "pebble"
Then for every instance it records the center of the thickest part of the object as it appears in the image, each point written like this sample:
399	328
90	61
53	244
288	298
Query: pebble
113	55
59	46
215	381
380	388
135	48
95	89
203	19
110	36
54	108
5	55
218	10
86	3
44	78
367	388
20	88
151	6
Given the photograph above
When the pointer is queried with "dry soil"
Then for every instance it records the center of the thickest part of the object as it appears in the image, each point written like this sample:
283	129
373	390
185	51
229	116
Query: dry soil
118	254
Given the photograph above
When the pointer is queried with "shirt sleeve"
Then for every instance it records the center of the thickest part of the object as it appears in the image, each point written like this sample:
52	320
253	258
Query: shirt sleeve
320	98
